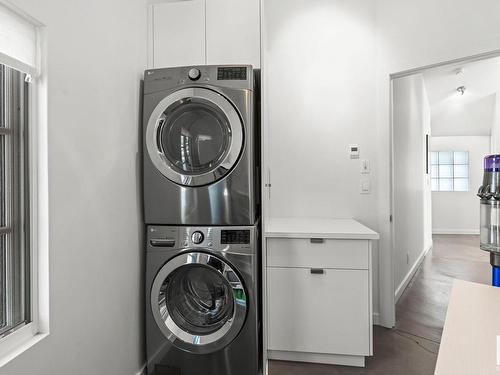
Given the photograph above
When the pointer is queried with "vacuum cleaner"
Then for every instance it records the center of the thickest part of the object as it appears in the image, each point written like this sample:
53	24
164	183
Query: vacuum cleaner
489	192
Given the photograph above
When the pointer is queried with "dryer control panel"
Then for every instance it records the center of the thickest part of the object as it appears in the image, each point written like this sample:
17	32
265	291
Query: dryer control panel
231	72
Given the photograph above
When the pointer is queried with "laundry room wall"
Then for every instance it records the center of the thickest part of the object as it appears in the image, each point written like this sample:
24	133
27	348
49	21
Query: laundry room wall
96	56
320	97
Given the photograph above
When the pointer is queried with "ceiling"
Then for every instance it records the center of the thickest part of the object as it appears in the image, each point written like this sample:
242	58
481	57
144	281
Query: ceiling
472	113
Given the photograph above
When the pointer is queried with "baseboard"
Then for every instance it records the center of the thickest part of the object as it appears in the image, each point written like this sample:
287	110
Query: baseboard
455	231
142	371
330	359
376	318
401	288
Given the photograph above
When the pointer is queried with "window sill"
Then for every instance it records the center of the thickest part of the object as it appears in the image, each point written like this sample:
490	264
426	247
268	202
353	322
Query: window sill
18	342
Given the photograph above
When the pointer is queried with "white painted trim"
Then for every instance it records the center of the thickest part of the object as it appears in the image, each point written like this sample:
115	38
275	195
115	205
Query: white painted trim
331	359
459	61
386	251
455	231
401	288
376	318
18	342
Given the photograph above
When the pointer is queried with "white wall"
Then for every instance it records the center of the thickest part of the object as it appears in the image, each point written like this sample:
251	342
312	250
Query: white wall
411	123
96	54
458	212
320	97
495	129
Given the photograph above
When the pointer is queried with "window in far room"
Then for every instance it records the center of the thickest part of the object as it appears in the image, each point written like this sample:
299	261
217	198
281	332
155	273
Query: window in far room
450	171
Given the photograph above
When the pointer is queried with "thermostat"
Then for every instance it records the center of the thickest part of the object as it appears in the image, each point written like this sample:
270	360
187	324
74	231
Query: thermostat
354	151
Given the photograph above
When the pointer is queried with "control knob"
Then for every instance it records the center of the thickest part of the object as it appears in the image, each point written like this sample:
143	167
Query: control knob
194	74
197	237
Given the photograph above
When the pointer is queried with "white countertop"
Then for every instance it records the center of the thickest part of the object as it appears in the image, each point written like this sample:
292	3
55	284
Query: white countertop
469	341
318	227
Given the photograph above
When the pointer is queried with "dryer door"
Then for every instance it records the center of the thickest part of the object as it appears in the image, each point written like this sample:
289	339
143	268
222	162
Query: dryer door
198	302
194	136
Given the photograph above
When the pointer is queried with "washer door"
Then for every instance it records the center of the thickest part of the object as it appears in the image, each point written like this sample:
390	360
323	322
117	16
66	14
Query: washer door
194	136
198	302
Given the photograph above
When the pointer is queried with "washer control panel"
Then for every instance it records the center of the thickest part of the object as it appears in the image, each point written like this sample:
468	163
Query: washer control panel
233	239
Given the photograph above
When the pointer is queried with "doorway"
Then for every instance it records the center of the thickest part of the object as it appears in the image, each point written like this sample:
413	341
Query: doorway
444	122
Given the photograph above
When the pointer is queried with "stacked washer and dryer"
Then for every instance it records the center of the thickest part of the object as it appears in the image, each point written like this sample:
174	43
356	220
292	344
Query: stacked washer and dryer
201	201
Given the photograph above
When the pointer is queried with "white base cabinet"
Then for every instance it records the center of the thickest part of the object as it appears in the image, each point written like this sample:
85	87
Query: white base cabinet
318	297
319	313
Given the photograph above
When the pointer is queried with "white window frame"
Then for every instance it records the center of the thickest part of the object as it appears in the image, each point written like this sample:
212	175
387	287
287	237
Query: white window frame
28	335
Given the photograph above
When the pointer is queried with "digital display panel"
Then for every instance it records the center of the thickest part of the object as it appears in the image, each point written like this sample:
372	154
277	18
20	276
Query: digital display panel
228	237
228	73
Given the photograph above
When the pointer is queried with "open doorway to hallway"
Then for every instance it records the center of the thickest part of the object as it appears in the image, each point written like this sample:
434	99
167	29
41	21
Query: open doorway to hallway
445	120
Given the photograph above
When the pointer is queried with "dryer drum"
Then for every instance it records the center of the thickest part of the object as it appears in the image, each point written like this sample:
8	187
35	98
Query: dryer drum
194	136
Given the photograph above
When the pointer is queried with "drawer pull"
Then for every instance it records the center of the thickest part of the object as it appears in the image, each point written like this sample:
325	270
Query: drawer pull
317	271
317	240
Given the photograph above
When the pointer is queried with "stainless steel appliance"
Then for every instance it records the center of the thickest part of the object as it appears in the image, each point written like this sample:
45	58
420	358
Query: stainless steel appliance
202	291
200	154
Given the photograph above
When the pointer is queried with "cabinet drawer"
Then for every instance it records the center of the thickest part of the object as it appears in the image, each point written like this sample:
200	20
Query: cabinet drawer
318	313
301	252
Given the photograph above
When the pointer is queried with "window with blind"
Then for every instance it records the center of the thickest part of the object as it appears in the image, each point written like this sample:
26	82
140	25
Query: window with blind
450	171
14	202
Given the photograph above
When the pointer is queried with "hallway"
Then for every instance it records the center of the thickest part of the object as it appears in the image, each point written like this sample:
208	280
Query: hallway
411	347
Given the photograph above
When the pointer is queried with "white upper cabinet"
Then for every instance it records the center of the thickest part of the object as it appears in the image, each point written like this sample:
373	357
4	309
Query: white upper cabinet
197	32
178	33
233	32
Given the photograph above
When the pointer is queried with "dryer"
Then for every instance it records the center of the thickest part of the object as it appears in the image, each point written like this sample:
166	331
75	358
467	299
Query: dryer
202	305
201	156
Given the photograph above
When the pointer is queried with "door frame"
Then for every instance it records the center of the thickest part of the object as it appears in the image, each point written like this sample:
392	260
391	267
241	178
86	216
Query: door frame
405	73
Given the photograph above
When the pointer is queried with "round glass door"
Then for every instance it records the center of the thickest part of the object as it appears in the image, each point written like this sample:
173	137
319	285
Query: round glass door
194	136
198	302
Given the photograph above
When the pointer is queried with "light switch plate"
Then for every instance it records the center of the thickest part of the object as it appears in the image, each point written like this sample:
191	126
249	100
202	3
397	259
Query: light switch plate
365	185
365	166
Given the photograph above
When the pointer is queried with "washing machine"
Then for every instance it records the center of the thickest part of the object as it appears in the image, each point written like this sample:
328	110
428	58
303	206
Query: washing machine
202	309
201	154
